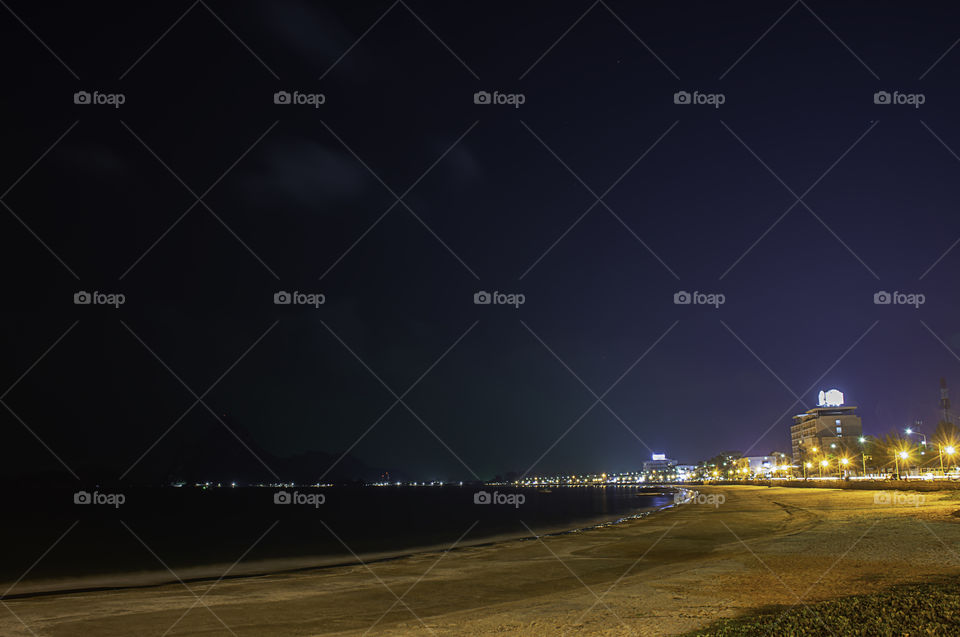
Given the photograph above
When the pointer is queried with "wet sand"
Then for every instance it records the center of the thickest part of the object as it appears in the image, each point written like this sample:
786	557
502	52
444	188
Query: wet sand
672	572
275	566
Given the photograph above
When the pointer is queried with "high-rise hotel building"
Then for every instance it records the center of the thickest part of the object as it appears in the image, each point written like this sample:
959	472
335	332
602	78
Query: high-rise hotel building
824	425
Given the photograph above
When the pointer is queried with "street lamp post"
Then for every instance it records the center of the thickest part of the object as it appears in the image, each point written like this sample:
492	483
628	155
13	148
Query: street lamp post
950	451
863	456
923	437
896	459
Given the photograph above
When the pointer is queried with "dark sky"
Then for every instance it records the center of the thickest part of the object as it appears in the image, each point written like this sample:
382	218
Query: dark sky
694	198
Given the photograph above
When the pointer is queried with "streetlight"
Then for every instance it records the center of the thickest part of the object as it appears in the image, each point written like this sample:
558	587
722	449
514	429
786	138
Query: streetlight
806	466
911	432
844	462
814	450
896	459
950	450
823	463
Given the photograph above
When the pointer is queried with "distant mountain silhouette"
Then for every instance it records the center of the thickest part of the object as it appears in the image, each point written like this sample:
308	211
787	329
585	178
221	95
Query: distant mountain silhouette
215	454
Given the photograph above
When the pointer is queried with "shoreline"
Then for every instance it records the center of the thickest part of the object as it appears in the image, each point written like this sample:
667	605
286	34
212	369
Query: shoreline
665	574
140	580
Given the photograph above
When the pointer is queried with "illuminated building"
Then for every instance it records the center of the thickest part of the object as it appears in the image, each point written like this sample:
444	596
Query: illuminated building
756	465
660	468
824	425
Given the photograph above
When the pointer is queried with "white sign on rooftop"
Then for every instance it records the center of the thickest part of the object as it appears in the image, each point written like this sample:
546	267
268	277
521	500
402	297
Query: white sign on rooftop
830	398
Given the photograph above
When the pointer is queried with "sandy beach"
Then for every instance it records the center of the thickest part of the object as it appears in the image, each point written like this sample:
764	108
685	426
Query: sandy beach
675	571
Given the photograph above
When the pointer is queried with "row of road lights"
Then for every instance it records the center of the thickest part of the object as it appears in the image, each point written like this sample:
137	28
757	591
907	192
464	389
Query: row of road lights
950	450
843	462
823	463
904	455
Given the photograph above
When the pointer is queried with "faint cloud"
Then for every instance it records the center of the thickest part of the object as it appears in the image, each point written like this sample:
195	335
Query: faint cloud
312	31
306	173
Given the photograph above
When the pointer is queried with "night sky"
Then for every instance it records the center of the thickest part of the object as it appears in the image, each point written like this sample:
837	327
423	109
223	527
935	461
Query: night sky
598	198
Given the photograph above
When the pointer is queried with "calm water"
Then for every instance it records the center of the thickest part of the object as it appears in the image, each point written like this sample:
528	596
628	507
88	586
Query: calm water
190	527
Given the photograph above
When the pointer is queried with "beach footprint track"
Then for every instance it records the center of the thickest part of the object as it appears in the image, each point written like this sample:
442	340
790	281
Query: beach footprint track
798	520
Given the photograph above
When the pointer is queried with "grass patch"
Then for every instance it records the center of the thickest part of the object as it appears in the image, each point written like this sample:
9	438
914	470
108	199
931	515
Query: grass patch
909	609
